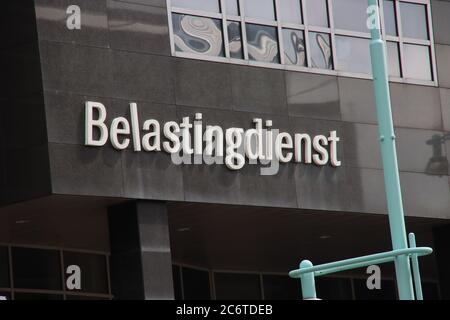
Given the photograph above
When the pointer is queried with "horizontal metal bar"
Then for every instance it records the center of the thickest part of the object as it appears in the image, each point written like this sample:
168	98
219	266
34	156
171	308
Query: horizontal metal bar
361	261
353	266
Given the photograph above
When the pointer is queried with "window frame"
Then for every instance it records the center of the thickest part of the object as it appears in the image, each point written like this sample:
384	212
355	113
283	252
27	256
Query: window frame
63	292
306	28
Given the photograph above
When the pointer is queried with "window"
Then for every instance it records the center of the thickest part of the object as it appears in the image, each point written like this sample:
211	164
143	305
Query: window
44	274
324	36
197	35
196	284
291	11
262	43
237	286
36	269
206	5
353	54
317	13
350	15
94	277
4	268
294	47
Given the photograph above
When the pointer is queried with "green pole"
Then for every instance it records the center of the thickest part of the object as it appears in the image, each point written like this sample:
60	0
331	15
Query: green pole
389	153
415	268
308	282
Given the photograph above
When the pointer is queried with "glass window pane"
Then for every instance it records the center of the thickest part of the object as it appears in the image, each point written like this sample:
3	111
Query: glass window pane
353	54
233	286
196	284
350	15
281	288
4	268
334	288
36	296
232	7
262	43
320	47
387	291
393	59
317	12
84	298
197	35
294	47
204	5
417	62
290	11
260	9
235	40
390	21
36	268
176	282
414	20
94	277
430	291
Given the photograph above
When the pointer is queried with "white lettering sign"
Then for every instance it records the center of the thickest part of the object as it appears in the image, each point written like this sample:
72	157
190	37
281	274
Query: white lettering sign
187	139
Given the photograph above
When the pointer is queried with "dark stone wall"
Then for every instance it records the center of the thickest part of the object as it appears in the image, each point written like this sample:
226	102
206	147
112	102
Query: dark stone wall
122	54
24	162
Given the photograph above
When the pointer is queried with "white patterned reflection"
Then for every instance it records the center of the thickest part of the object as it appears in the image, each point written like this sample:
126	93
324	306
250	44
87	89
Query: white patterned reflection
262	43
197	35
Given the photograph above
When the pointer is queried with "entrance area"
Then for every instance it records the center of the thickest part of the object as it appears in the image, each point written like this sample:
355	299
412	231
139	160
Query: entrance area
237	252
217	251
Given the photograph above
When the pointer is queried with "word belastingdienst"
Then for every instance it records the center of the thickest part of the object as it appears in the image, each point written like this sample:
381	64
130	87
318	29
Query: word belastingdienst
231	146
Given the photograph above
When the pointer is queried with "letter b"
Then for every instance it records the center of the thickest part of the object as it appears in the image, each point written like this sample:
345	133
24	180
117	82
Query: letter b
99	123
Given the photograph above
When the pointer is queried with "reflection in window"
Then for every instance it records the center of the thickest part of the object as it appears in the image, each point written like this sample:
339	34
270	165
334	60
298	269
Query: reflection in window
317	13
350	15
94	277
390	20
235	40
334	32
232	7
205	5
414	20
417	62
393	59
353	54
36	268
260	9
5	296
290	11
198	35
262	43
294	47
320	47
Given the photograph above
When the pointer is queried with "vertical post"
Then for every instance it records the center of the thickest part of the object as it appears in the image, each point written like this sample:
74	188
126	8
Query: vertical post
415	268
308	282
141	260
389	153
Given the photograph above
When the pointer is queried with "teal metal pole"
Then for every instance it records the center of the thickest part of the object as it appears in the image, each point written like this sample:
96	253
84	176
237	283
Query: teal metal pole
308	282
389	153
415	268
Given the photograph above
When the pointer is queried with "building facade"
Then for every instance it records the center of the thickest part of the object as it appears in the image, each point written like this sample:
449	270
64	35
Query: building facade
96	204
